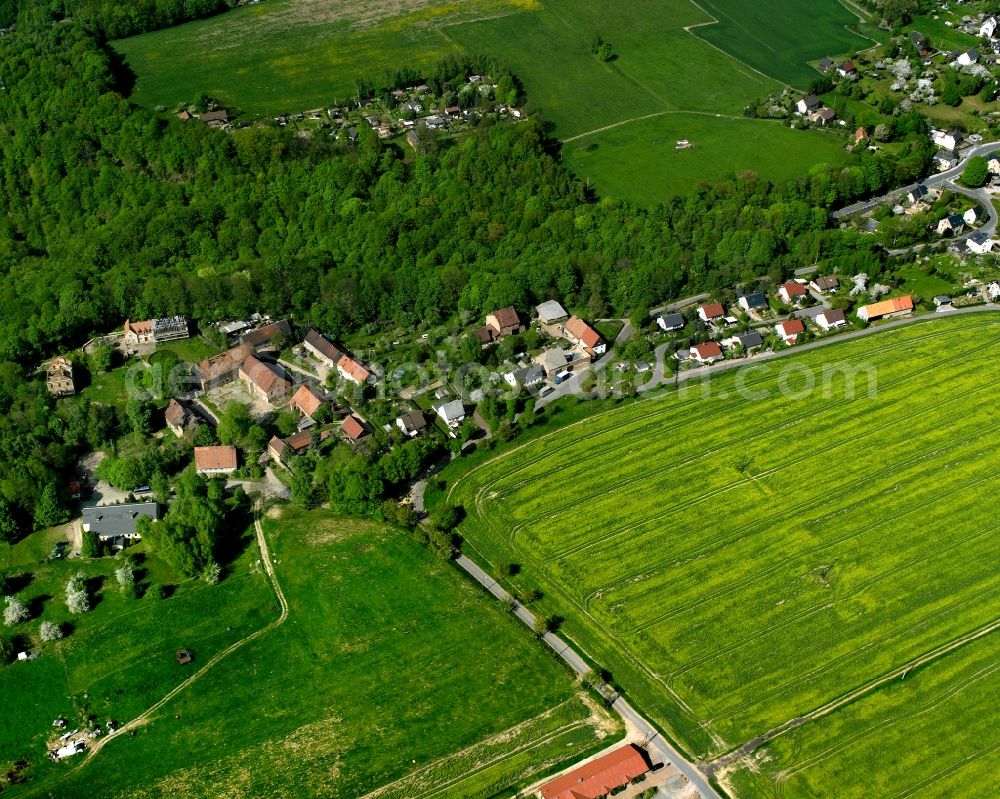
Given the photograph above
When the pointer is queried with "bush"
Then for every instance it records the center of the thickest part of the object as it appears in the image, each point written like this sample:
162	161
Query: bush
157	592
91	546
50	631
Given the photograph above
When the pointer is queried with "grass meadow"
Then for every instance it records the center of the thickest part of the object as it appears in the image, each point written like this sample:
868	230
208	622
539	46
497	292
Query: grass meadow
739	562
780	37
117	659
282	55
393	677
723	147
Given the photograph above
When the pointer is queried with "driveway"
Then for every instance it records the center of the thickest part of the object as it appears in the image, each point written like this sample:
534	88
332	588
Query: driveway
570	384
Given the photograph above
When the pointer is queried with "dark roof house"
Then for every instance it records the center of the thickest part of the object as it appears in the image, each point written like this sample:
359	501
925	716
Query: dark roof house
117	522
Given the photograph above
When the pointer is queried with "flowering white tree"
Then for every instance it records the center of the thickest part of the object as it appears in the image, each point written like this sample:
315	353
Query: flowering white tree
15	612
76	594
124	575
126	580
212	573
50	631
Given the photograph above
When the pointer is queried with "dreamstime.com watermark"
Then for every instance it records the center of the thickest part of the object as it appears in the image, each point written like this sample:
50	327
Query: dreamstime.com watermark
751	380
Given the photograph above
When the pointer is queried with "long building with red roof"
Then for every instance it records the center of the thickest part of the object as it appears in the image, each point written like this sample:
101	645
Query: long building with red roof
598	777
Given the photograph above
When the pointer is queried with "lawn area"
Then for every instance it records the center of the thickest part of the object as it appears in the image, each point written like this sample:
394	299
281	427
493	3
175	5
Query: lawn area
117	659
780	37
721	147
191	349
284	56
110	388
941	36
923	284
393	676
745	561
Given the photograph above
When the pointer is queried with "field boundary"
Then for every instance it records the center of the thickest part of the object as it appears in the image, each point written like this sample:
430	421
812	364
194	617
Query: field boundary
718	767
716	21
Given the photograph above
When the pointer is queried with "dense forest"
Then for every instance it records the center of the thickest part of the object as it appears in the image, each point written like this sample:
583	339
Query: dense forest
112	211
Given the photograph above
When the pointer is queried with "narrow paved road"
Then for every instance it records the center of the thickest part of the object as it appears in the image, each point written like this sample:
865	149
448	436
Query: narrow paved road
932	181
678	304
659	380
657	745
571	384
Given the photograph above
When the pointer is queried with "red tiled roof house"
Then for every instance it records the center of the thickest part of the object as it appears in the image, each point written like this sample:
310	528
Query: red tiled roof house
709	352
583	335
599	777
215	460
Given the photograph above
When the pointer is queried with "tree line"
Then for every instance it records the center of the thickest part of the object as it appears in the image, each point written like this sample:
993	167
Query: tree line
113	211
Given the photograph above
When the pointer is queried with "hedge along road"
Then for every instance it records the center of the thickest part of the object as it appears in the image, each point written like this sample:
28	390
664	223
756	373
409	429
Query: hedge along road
652	739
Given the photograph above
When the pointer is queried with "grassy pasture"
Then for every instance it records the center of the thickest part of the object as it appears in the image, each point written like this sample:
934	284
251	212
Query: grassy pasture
658	66
392	677
275	57
780	37
117	659
736	562
288	55
722	146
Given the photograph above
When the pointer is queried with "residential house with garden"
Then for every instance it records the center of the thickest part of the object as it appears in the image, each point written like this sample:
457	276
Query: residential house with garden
213	461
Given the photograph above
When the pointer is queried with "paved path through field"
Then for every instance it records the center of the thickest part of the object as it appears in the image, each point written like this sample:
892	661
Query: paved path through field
656	744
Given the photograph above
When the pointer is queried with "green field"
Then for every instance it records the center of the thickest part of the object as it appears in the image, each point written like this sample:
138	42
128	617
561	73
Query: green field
722	147
281	56
275	57
392	677
117	659
780	37
952	704
740	562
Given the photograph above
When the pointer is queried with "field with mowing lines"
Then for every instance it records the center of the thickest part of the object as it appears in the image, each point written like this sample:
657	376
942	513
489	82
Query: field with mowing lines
952	704
740	559
724	147
393	677
274	57
780	37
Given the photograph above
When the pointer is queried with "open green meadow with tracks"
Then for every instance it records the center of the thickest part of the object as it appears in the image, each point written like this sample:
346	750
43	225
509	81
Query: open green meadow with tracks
743	553
780	37
672	61
392	677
